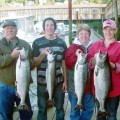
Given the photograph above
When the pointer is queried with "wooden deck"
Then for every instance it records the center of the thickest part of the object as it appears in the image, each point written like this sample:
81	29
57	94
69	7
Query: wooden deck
51	112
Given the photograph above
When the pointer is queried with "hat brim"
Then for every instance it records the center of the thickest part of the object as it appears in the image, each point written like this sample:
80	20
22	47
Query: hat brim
109	26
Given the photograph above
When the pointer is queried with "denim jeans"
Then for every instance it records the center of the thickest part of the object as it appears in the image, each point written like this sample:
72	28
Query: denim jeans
112	106
43	98
88	102
7	99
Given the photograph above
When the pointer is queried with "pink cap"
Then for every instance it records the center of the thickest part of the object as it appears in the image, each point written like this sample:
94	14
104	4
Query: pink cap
110	23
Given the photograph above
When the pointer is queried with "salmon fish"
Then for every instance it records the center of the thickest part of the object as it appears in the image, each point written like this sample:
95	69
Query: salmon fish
23	78
80	78
102	80
50	76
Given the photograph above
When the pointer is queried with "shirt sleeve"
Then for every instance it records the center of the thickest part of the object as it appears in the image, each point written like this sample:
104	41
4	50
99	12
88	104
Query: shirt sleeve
117	64
35	50
70	57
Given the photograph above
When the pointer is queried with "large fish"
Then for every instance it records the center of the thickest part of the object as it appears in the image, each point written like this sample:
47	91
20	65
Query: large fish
23	78
102	80
50	77
80	78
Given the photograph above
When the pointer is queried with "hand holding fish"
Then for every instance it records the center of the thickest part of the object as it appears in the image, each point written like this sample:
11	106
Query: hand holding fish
15	53
42	55
78	52
46	51
113	65
94	59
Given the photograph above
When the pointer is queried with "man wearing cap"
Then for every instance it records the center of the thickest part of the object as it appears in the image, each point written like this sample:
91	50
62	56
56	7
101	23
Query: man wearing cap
110	45
41	48
9	52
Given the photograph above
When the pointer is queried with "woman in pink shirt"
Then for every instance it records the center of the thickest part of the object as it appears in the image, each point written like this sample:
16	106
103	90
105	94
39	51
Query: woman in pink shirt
110	45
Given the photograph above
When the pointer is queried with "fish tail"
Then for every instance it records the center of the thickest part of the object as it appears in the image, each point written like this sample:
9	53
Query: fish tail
50	103
23	107
79	106
102	114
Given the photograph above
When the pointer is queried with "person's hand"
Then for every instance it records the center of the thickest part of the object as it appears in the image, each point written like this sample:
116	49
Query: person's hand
65	86
112	65
15	53
94	59
46	51
78	52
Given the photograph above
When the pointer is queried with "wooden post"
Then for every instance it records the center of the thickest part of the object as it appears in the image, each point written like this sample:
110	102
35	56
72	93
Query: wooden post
70	20
116	19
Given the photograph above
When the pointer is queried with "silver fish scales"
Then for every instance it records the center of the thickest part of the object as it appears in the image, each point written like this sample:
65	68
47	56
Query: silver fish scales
50	77
102	81
23	78
80	78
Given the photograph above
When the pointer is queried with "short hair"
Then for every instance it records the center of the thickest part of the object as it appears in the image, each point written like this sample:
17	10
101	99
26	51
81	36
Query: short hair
83	27
49	18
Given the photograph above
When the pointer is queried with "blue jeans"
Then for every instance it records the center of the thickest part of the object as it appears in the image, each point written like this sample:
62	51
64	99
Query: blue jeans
43	98
112	106
7	99
88	102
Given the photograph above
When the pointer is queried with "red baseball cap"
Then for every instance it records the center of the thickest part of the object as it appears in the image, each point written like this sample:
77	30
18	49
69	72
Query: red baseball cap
110	23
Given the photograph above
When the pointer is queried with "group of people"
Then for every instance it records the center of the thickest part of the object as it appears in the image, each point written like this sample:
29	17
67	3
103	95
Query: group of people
66	58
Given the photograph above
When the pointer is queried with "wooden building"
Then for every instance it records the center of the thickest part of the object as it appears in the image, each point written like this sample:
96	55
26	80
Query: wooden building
58	12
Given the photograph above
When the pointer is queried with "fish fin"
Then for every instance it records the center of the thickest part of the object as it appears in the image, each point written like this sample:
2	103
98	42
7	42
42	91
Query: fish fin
79	107
23	107
50	103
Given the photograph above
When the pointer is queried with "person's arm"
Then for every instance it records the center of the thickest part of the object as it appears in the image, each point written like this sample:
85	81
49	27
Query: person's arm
8	58
39	55
70	56
115	65
42	55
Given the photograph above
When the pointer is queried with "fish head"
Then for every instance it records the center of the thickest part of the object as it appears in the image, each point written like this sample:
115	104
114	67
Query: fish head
101	59
82	58
23	54
51	57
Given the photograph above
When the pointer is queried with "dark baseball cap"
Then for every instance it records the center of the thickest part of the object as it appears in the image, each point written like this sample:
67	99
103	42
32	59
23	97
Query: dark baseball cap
9	23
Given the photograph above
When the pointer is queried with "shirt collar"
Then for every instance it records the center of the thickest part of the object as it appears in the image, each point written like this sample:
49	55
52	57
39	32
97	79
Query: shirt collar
11	42
102	41
77	41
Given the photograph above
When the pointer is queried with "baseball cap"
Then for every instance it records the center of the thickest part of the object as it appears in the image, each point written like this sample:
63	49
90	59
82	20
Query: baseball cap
110	23
9	23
